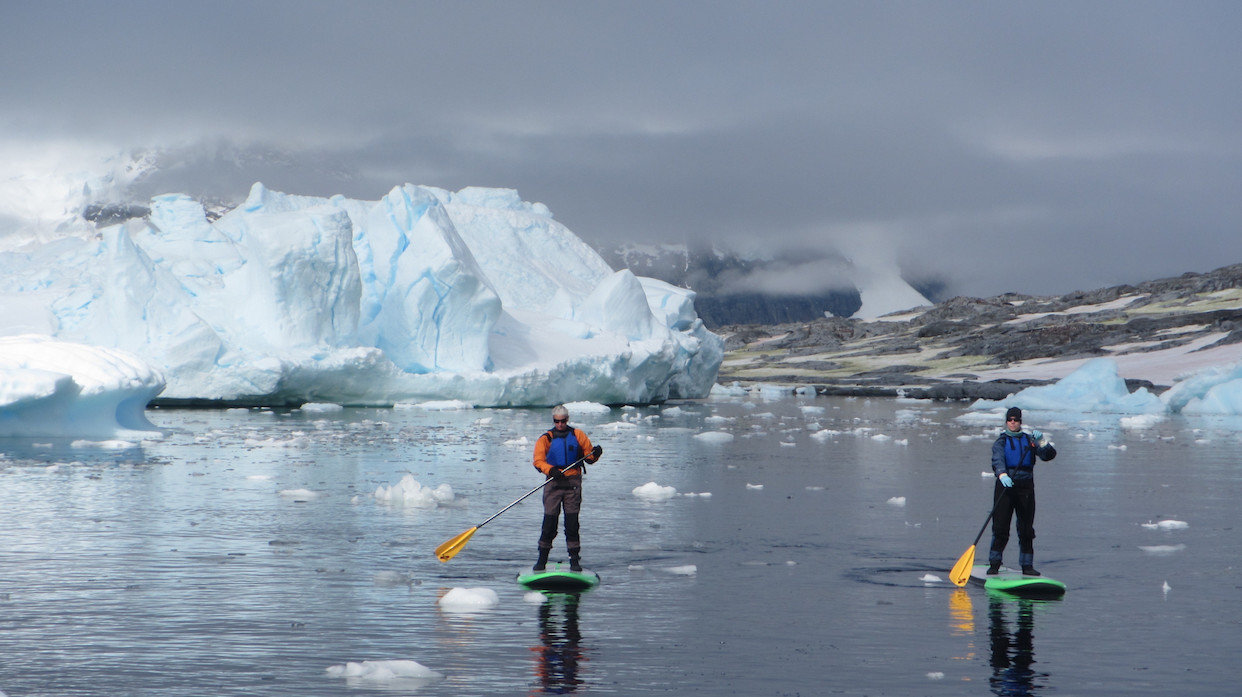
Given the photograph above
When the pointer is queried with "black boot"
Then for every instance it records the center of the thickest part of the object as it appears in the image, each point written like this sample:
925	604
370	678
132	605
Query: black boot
993	568
1029	571
574	563
542	562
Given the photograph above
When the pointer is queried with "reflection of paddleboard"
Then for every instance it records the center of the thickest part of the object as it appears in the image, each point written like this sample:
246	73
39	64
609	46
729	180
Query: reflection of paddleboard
559	579
1014	583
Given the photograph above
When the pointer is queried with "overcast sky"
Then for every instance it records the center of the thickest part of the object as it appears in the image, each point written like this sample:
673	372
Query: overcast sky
1028	147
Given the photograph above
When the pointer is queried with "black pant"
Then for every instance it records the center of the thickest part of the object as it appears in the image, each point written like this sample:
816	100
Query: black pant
1020	499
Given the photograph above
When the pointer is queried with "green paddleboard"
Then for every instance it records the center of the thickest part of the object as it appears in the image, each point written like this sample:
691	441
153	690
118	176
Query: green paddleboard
1015	583
559	579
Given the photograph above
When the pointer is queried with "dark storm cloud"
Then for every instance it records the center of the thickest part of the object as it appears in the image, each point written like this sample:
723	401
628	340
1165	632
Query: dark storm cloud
1038	148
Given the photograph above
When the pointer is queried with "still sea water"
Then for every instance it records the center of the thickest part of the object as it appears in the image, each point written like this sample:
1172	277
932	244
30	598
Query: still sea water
817	565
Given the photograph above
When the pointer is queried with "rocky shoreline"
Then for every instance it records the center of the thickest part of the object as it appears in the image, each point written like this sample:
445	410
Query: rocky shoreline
947	351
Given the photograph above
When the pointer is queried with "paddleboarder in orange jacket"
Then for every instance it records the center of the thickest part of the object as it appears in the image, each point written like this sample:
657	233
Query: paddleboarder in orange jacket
555	450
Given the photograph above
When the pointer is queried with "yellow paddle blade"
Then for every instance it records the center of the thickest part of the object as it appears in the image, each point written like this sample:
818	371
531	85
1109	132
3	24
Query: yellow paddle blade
961	570
449	549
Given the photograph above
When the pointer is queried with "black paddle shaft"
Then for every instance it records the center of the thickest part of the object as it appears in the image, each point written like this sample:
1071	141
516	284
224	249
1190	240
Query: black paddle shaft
989	518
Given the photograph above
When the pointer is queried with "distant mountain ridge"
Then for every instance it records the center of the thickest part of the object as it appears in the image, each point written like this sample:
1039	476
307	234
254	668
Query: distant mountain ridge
734	288
991	347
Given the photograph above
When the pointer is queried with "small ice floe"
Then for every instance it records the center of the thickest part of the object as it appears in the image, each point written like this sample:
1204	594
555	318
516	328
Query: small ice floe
753	487
719	420
966	438
788	445
987	473
1141	421
702	495
881	437
815	488
587	408
321	407
808	410
825	435
1161	550
260	477
104	444
687	570
402	671
485	421
469	600
522	441
535	598
935	675
715	437
1116	447
814	426
408	492
931	578
897	501
1166	588
654	492
437	405
901	441
299	494
1167	525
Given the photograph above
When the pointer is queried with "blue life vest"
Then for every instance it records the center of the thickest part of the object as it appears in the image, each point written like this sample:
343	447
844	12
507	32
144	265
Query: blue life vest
563	450
1019	452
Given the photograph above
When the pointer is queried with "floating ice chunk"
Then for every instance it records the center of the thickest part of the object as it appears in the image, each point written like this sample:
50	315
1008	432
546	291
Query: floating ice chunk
687	570
1142	421
988	473
384	671
654	492
436	405
321	407
1116	447
260	477
104	444
714	437
1166	588
809	410
517	441
785	444
672	411
902	441
753	487
1167	525
578	408
715	420
935	675
408	492
733	390
469	600
301	494
897	501
1161	550
535	598
881	437
931	578
824	435
704	495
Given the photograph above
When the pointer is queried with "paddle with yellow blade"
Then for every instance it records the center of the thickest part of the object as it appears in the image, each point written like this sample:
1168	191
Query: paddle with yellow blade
449	549
961	570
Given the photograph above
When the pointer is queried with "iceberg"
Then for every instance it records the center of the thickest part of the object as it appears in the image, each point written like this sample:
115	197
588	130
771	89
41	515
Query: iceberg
1096	386
424	295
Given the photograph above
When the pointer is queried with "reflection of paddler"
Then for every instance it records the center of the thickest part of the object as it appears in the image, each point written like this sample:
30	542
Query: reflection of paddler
1013	654
560	653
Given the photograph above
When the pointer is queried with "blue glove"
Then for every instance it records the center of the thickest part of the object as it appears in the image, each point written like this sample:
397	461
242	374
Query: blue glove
1037	434
1006	481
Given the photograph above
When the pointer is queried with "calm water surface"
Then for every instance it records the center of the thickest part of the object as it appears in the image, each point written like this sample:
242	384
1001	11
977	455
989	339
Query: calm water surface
180	568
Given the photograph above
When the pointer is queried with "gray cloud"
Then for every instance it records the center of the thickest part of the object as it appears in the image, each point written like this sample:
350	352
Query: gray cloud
1038	149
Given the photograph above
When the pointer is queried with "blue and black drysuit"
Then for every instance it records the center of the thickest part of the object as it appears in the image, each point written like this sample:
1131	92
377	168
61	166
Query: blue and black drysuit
1014	454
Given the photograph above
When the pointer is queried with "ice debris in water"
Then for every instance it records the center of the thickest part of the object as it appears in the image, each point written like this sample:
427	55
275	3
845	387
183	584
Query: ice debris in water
654	492
469	600
408	492
383	671
754	487
897	501
303	494
321	407
1167	525
931	578
1162	549
714	437
687	570
935	675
